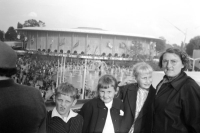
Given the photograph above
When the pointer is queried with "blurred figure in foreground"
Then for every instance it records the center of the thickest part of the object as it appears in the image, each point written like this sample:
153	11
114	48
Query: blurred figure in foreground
176	107
22	109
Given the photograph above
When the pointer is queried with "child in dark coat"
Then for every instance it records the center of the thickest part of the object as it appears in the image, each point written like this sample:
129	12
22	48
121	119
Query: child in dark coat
104	113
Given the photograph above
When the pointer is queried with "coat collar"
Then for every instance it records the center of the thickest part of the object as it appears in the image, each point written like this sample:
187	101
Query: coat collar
116	103
178	82
148	102
6	83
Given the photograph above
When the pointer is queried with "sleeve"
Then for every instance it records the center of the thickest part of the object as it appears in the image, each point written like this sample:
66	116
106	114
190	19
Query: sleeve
42	128
80	128
86	113
191	106
121	92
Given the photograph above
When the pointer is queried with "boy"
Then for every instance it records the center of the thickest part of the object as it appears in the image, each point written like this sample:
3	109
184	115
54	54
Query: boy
62	119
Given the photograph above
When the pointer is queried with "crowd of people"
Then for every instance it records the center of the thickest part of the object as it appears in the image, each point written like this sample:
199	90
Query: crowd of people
171	107
41	72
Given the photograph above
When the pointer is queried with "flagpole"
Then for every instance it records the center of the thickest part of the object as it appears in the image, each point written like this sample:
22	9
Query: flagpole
84	79
61	66
64	70
57	74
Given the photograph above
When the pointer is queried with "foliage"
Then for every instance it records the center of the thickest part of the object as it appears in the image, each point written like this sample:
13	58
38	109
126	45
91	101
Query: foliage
160	44
1	35
11	34
134	49
33	23
19	25
193	44
176	46
167	46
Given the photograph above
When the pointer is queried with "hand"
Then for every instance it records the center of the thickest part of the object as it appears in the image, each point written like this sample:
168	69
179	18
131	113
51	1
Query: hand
127	80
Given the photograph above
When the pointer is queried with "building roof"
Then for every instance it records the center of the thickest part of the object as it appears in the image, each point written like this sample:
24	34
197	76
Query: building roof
86	30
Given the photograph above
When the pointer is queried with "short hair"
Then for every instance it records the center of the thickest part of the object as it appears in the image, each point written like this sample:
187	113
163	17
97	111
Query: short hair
67	89
8	72
141	67
183	56
106	81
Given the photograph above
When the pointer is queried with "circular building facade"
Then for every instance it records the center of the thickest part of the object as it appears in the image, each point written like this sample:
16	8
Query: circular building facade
91	41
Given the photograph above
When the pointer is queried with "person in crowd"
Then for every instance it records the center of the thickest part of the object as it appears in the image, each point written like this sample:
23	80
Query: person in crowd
104	113
176	108
22	109
62	119
137	99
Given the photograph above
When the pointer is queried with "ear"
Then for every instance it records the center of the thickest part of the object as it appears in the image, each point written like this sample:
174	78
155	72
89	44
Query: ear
74	102
117	90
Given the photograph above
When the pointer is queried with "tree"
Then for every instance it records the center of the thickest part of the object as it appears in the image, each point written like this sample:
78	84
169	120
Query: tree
11	34
1	35
160	44
19	25
193	44
176	46
33	23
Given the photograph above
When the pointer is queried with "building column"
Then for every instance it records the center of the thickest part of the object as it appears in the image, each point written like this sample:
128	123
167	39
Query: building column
100	45
37	41
86	44
72	42
46	41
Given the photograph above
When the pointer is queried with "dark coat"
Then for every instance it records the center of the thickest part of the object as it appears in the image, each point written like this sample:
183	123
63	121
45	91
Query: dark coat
94	113
177	107
57	125
22	109
128	94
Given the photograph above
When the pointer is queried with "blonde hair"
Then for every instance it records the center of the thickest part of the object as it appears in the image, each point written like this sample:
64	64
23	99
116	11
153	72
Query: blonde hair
67	89
141	67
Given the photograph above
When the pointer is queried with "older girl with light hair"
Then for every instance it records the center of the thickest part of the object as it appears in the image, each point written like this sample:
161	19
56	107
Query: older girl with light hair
137	99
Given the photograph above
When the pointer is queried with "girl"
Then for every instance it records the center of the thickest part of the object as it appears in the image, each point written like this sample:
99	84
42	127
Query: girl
104	113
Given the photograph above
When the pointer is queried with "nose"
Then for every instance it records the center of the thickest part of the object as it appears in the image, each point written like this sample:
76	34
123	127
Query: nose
168	65
63	103
149	80
105	95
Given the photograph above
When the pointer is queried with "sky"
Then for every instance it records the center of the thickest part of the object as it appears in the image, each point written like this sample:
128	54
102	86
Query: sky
174	20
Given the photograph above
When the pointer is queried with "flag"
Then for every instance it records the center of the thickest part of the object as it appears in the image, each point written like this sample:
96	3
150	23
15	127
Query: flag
88	48
49	46
76	44
62	42
109	45
25	38
95	49
32	40
122	45
18	36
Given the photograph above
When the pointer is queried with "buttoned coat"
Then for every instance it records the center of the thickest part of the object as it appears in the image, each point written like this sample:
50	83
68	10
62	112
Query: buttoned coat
142	124
177	107
22	109
94	113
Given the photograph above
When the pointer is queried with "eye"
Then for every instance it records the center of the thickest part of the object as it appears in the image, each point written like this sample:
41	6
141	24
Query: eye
59	100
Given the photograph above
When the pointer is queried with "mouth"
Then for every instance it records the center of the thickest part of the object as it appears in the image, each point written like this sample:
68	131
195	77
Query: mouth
62	108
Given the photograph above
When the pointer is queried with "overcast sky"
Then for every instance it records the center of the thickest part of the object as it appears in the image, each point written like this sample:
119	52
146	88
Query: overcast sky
172	19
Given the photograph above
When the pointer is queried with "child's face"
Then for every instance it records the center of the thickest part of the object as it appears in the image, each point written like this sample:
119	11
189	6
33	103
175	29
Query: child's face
107	95
64	103
144	80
